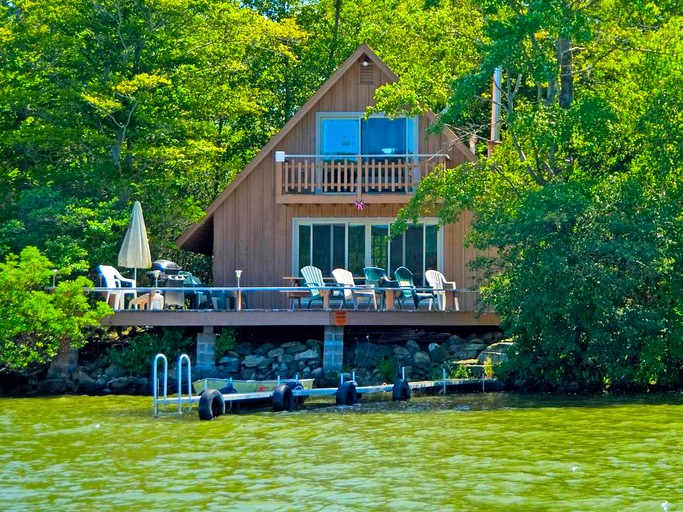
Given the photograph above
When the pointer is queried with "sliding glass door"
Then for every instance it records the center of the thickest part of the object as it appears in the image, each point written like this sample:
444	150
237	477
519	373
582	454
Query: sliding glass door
353	244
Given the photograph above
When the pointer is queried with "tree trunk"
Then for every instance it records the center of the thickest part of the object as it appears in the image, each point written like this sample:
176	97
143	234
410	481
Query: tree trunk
566	62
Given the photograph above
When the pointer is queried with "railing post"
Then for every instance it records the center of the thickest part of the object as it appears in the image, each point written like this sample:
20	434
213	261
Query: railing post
360	175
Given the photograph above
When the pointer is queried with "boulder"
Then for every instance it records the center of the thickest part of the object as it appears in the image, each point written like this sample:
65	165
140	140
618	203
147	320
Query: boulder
229	364
54	387
308	354
439	353
264	349
412	346
276	352
245	348
402	353
113	371
123	383
422	361
252	361
455	340
247	373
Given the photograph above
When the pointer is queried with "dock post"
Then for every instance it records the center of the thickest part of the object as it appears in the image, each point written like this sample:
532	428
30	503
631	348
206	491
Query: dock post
333	349
206	348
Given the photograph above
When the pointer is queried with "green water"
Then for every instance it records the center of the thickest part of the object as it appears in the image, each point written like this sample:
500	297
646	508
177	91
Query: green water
466	452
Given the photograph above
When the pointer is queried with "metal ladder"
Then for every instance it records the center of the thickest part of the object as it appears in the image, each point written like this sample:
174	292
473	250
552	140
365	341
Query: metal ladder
164	399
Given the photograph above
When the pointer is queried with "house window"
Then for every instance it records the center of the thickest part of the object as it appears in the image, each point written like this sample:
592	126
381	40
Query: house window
350	134
355	244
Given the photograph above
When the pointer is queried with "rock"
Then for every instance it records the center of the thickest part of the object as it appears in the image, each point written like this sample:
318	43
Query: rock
308	354
286	359
264	349
474	346
412	346
113	371
54	387
252	361
276	352
247	373
439	353
316	344
122	383
299	347
306	373
244	349
455	340
422	360
401	353
83	378
229	364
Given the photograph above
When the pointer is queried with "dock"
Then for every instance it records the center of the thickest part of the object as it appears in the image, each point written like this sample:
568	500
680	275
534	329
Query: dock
287	393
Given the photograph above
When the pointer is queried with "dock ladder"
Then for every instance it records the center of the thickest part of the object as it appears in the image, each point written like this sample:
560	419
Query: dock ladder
163	398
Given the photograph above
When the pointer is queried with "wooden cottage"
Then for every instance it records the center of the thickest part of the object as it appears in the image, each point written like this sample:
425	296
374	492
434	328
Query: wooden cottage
325	190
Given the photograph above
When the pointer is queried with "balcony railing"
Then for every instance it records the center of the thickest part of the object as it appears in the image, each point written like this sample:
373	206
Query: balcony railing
366	174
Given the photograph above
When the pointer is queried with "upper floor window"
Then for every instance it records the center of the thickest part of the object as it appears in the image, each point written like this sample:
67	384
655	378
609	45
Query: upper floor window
350	134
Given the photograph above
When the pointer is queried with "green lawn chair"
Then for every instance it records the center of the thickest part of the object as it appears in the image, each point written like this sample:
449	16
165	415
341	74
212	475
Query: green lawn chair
405	281
313	279
378	277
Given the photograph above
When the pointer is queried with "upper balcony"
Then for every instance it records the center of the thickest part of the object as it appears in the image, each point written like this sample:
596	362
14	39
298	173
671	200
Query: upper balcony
386	178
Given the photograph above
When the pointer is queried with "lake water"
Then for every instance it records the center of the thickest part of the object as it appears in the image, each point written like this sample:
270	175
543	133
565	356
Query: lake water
479	452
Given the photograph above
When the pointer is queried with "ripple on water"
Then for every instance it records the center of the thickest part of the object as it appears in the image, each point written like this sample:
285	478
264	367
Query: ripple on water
465	452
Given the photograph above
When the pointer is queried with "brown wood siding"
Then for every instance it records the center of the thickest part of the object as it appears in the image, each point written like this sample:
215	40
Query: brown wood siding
252	231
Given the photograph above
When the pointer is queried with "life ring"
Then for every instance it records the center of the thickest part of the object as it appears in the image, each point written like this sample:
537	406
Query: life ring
211	404
346	393
401	390
283	398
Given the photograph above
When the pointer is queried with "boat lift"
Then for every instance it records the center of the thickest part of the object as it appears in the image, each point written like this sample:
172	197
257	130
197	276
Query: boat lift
286	394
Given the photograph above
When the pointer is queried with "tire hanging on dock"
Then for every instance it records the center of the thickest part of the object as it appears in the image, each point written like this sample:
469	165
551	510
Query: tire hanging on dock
401	390
346	393
283	398
211	404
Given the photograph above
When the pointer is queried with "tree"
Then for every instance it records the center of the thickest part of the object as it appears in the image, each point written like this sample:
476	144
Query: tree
581	200
35	323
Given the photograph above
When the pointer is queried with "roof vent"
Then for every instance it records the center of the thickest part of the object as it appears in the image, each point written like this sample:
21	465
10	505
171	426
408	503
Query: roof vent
367	72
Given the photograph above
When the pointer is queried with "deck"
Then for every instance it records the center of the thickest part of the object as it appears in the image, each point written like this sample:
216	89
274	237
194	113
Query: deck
235	312
250	318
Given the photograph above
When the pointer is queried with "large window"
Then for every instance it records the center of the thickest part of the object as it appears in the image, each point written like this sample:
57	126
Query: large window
355	244
350	134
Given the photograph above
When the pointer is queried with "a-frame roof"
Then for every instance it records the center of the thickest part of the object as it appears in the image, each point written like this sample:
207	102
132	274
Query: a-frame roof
199	237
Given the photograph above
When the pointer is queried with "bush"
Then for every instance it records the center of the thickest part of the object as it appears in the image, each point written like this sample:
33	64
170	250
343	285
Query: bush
34	324
137	355
387	368
225	342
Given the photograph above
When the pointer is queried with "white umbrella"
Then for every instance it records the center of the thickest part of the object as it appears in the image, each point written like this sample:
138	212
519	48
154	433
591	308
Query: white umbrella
134	251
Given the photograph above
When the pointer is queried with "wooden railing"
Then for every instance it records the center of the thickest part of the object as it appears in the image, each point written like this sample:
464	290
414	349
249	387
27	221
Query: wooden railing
398	174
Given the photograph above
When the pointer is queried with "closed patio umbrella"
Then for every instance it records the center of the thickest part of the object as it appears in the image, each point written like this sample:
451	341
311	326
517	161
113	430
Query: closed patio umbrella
134	251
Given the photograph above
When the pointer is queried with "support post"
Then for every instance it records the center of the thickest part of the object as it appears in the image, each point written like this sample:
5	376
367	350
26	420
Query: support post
333	349
206	348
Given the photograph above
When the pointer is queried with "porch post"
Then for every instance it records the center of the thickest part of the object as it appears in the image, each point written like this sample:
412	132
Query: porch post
333	349
206	348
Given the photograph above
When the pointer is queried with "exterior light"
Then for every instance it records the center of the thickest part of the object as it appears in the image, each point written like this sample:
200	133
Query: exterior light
54	276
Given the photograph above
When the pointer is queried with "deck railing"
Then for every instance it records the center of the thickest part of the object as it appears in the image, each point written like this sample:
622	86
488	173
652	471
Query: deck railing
367	174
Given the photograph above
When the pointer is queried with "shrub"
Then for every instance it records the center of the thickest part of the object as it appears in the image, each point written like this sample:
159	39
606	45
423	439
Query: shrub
137	355
387	368
225	342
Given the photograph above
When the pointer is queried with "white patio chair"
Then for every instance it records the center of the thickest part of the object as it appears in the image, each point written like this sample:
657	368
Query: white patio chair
118	285
439	284
352	290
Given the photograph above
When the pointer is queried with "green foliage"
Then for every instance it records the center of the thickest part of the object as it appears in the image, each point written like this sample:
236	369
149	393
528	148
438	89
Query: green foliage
34	323
578	215
225	341
460	372
387	368
136	356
